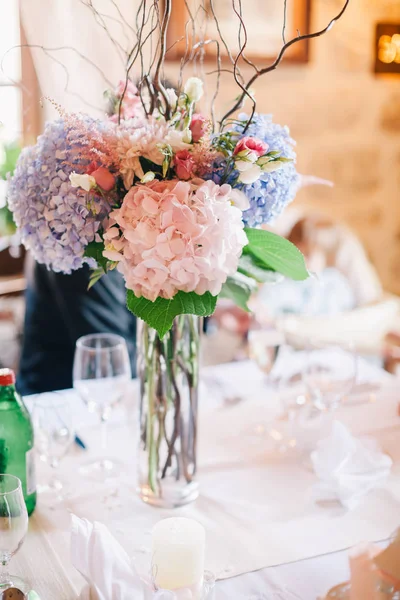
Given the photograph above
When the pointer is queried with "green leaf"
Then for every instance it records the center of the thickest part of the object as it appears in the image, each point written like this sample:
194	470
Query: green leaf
252	267
276	253
239	288
95	275
275	165
95	250
161	313
284	159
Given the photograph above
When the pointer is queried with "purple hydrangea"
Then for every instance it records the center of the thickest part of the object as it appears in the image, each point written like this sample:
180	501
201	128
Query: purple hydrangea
54	219
273	191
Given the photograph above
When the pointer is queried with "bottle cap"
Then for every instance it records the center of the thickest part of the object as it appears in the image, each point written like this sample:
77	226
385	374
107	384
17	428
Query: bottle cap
7	377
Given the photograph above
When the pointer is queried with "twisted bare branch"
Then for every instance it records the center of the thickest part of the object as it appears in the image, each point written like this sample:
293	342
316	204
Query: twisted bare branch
47	52
101	22
245	88
163	49
284	21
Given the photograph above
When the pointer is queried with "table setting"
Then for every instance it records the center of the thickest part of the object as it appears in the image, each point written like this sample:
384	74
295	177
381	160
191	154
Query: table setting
274	477
264	512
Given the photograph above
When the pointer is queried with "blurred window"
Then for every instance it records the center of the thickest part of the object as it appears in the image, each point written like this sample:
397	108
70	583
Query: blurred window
19	90
11	111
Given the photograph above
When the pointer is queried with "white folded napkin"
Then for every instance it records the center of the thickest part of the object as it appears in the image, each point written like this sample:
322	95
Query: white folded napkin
347	467
108	569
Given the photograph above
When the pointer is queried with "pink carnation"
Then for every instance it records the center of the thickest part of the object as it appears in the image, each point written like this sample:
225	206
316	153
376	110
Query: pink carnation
251	144
184	164
175	235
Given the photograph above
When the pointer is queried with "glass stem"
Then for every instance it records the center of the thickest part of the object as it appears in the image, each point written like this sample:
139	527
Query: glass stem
4	574
104	434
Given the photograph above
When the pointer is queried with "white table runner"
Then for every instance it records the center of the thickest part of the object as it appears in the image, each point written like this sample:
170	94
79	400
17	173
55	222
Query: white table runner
256	505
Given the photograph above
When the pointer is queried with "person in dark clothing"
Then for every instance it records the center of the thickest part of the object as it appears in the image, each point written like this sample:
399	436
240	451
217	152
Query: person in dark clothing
59	310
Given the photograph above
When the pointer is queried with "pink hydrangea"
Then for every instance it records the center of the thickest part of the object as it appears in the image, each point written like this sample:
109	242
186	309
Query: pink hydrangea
171	236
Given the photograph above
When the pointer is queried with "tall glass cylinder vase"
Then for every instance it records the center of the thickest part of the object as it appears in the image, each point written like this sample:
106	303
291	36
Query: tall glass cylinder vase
168	371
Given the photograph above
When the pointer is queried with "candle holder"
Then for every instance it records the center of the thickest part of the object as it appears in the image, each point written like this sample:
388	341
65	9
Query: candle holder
342	592
206	593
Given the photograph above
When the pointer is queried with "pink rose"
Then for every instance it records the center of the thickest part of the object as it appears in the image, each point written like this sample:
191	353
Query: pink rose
198	127
131	89
131	105
184	164
251	144
104	179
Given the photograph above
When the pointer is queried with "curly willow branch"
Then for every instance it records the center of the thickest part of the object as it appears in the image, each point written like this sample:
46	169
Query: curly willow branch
245	88
163	49
47	52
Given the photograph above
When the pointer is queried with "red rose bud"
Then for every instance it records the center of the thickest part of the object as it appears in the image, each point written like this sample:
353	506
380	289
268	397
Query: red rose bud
104	179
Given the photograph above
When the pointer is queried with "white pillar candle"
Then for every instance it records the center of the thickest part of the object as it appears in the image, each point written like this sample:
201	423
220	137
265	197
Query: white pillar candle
178	547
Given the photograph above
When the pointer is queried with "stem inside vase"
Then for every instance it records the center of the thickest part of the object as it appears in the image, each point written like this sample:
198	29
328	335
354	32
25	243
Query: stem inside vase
168	370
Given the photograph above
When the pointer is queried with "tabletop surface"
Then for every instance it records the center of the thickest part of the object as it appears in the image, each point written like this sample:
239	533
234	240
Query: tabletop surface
44	558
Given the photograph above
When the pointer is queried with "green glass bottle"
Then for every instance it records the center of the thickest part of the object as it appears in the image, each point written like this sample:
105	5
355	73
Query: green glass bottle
16	438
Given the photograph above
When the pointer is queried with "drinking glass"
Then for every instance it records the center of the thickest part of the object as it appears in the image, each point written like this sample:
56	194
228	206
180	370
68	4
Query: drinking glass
54	434
298	424
330	373
101	373
291	396
13	527
264	346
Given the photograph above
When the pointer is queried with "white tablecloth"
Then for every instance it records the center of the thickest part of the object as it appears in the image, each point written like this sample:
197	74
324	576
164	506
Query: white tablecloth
256	505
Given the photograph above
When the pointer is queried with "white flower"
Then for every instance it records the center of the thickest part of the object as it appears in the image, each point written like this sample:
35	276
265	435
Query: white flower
86	182
172	97
187	136
250	175
176	139
149	176
194	89
245	161
239	199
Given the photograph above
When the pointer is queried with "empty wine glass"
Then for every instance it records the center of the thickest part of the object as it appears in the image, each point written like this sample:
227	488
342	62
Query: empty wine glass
101	373
264	346
292	396
13	528
54	434
329	374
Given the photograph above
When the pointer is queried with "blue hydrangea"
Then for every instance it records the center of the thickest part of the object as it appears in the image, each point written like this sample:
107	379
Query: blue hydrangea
273	191
53	218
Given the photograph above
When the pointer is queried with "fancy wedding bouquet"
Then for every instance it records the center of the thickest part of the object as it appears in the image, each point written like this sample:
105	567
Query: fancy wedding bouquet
155	193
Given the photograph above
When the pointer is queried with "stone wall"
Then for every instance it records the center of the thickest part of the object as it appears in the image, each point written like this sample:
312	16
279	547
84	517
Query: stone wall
346	121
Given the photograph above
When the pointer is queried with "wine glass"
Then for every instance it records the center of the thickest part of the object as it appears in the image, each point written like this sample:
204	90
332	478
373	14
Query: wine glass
13	528
330	373
277	356
101	373
292	395
264	347
54	434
